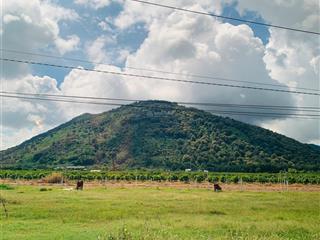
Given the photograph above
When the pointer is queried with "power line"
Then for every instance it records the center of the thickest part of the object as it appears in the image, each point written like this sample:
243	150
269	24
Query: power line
158	78
153	70
232	105
257	114
225	17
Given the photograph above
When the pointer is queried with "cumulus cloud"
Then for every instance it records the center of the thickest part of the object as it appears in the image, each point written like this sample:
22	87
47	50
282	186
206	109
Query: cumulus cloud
180	43
84	83
208	47
104	26
292	58
105	49
66	45
29	26
10	138
135	12
293	13
96	50
22	118
96	4
32	25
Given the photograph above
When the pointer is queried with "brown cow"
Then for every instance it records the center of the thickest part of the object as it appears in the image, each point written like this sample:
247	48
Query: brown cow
217	187
79	185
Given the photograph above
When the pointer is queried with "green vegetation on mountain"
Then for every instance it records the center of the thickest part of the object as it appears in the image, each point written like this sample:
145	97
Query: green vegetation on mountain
163	135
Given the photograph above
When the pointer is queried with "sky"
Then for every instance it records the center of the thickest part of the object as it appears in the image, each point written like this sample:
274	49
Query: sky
117	35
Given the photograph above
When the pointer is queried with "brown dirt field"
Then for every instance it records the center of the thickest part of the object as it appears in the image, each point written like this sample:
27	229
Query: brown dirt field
251	187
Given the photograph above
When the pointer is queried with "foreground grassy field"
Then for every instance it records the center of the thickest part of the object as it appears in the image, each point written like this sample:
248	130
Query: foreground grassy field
158	213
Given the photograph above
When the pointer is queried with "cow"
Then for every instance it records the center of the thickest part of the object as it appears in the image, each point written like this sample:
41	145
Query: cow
79	185
217	187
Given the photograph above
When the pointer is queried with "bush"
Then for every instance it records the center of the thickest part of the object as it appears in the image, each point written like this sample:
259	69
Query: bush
235	179
184	178
199	178
54	178
213	179
173	177
5	187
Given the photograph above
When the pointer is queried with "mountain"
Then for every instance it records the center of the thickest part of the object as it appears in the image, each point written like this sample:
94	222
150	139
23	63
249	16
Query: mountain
158	134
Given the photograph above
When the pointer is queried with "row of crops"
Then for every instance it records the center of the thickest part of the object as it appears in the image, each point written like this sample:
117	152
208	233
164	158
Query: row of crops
304	178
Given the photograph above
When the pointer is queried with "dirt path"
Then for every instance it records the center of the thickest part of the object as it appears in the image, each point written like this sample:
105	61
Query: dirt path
252	187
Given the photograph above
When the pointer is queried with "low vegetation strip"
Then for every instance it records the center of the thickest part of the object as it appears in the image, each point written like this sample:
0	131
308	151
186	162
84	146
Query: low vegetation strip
161	176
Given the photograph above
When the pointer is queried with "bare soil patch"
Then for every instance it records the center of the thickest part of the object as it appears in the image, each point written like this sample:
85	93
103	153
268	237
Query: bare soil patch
251	187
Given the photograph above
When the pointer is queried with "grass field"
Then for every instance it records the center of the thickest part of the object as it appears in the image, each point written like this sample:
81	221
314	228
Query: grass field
158	213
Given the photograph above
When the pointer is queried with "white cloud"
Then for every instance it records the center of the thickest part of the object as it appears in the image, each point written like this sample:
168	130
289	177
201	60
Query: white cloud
182	43
104	26
304	132
10	138
292	58
105	49
29	26
293	13
84	83
96	49
66	45
10	18
32	25
96	4
135	12
315	63
22	118
208	47
58	13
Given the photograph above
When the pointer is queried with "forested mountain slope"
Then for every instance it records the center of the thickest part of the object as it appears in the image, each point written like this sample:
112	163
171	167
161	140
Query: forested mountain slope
157	134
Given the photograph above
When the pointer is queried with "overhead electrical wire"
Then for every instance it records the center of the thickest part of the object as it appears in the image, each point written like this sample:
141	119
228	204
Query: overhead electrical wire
152	70
226	17
158	78
257	114
229	105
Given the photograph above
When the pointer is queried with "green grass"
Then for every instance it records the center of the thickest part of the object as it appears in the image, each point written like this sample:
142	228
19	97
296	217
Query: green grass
5	187
158	213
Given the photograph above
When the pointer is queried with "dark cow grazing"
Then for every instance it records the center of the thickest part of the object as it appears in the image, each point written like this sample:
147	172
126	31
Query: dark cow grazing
79	185
217	187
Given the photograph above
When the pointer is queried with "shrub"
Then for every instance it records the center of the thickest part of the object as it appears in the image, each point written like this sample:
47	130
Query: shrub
54	178
173	177
5	187
235	179
199	178
213	179
223	179
184	178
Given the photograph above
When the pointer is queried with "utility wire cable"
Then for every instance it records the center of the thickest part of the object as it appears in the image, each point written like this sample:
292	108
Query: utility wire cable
158	78
226	17
232	105
152	70
261	114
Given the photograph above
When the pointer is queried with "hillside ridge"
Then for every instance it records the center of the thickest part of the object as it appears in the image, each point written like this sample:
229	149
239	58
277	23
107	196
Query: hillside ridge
162	135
